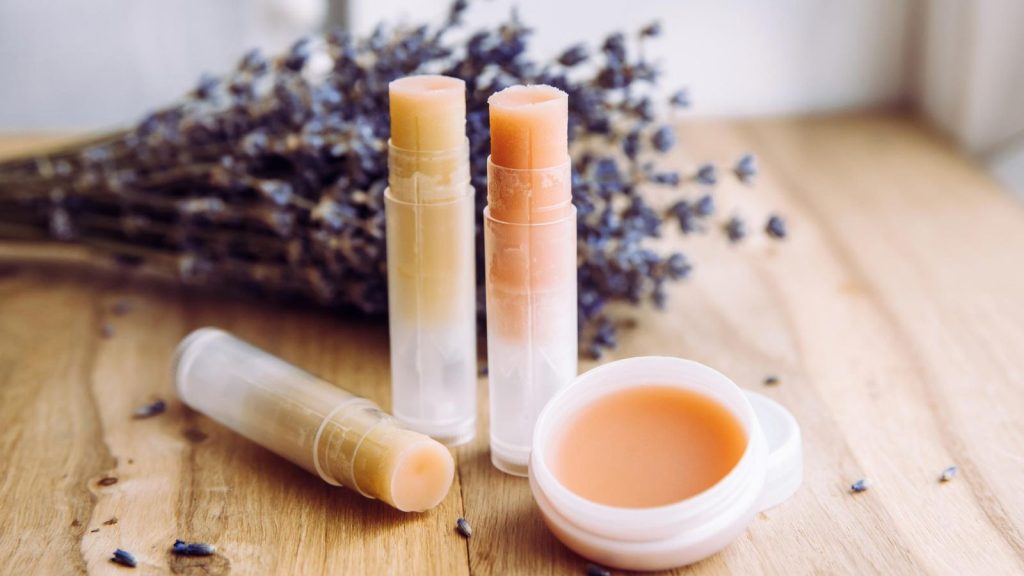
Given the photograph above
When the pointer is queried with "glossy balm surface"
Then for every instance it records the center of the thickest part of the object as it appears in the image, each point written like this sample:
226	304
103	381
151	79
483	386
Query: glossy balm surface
428	113
647	446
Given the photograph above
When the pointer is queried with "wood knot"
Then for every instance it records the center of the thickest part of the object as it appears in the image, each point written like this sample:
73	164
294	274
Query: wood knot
194	435
107	481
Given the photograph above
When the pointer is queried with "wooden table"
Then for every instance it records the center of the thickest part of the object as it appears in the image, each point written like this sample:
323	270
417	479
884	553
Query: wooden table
893	316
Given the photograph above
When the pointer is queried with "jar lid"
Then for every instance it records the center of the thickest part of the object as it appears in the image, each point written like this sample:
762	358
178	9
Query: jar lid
785	456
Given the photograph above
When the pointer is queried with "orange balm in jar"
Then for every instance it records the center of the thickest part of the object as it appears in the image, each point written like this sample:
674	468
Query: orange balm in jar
647	446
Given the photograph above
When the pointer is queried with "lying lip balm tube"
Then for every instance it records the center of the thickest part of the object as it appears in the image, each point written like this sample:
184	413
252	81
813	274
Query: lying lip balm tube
652	463
530	258
343	438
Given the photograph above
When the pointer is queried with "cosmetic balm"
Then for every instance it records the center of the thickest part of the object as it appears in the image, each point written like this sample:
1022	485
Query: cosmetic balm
530	259
431	240
652	463
344	439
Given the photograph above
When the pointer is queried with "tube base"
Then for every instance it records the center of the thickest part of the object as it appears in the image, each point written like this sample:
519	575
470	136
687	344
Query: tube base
432	316
531	328
512	460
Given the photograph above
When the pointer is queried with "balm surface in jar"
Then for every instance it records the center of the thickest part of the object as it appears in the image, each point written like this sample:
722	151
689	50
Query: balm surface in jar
652	463
647	446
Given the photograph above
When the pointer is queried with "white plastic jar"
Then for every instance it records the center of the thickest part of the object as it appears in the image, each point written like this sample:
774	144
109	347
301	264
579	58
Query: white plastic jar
662	537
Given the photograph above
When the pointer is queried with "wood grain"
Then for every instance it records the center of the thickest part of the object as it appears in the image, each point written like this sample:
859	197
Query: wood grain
893	316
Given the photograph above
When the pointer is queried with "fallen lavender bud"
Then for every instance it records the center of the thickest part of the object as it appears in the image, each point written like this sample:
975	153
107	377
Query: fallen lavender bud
183	548
670	178
859	486
775	227
597	570
746	168
735	229
705	205
150	410
463	528
948	474
124	558
707	174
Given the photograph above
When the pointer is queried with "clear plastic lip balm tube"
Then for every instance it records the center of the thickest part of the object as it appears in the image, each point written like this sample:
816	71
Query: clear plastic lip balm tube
431	262
530	258
343	438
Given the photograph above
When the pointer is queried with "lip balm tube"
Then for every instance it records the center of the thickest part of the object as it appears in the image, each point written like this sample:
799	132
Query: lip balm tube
343	438
431	262
530	258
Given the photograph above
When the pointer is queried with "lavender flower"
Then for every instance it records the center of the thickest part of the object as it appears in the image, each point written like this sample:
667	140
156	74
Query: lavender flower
270	178
680	99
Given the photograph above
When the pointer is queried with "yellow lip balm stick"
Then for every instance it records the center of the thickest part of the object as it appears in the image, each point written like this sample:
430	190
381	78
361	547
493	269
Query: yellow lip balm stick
431	261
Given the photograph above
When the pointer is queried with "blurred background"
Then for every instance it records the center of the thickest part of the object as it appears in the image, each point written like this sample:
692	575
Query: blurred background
68	66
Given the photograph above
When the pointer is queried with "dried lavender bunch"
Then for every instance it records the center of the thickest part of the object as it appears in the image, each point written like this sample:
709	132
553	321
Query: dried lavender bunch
271	177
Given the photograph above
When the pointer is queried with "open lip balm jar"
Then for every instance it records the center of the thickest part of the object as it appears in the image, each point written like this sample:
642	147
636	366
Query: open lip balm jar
654	462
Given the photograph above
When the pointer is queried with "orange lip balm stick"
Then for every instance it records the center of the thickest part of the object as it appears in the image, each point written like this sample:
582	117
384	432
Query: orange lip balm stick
530	258
431	262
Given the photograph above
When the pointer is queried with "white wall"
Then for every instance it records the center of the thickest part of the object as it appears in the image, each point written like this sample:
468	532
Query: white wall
86	64
971	79
972	70
740	57
73	64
